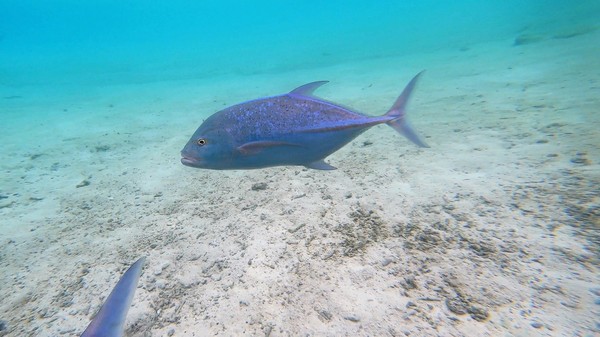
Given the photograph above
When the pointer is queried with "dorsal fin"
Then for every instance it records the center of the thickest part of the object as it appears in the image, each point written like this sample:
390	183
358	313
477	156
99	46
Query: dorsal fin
110	320
308	89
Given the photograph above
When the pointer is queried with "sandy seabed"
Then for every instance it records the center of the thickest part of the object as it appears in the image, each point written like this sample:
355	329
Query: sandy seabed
493	231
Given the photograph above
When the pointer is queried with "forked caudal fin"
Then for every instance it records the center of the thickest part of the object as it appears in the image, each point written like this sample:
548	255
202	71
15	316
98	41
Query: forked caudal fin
398	111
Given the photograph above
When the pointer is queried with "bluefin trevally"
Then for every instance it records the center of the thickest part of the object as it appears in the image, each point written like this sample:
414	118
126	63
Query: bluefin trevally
296	128
110	320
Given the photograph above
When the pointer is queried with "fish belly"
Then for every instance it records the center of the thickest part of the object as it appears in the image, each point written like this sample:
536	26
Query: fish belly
298	149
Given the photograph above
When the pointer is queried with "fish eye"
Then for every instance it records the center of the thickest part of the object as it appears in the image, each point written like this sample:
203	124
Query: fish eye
201	141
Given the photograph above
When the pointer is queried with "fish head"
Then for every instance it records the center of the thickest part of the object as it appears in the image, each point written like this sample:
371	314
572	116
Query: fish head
209	148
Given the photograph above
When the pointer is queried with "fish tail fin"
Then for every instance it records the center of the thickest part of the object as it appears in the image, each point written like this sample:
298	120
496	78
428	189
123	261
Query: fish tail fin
398	111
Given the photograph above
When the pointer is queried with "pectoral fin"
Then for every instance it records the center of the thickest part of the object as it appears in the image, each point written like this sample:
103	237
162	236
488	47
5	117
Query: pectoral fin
258	146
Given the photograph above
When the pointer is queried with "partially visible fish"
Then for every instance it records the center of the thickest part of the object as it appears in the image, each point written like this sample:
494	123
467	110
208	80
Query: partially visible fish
110	320
296	128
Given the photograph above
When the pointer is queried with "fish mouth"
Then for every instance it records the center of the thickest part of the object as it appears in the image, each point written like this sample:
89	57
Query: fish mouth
191	162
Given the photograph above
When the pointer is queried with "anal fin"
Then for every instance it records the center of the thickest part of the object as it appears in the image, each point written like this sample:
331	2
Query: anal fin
320	165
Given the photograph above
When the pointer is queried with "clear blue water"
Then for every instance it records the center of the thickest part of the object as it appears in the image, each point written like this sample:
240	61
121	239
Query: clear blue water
132	41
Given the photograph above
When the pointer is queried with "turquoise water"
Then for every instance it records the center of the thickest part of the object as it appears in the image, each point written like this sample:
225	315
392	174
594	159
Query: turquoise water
116	41
492	231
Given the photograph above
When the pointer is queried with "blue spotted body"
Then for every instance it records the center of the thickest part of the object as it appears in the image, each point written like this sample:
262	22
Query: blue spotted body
296	128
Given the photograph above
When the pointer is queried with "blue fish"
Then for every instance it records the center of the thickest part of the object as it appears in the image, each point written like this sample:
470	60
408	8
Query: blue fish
296	128
110	320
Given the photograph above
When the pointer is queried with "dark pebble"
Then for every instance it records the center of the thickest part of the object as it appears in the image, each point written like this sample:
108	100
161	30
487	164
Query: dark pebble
536	325
83	184
386	261
101	148
259	186
457	305
526	39
478	314
324	315
352	318
409	283
580	160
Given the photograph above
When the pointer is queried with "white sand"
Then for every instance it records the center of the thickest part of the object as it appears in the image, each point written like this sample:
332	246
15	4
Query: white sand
494	219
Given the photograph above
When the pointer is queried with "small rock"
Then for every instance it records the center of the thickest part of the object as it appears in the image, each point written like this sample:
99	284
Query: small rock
478	314
83	183
267	330
6	204
386	261
65	331
171	332
526	39
101	148
160	284
352	318
536	325
259	186
569	304
3	327
457	305
324	315
580	160
409	283
409	313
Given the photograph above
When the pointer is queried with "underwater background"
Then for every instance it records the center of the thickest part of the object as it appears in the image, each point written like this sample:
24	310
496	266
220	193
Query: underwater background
100	42
493	231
